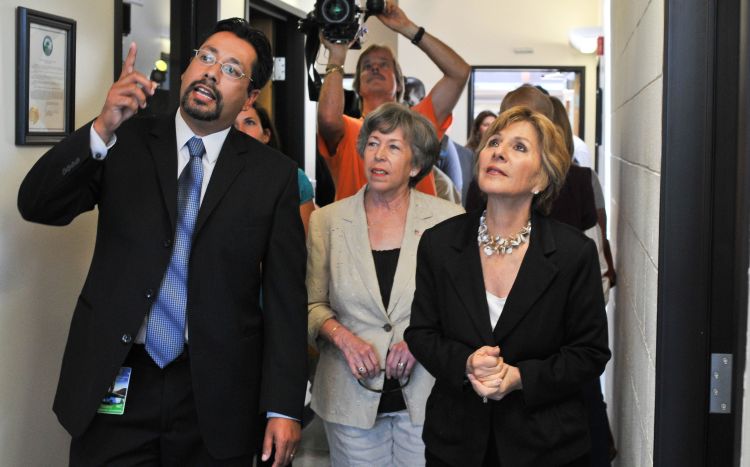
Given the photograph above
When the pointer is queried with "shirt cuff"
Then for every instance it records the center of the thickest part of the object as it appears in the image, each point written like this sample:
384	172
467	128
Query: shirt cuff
98	147
278	415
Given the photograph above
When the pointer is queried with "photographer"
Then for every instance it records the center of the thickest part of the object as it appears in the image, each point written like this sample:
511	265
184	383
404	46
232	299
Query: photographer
378	79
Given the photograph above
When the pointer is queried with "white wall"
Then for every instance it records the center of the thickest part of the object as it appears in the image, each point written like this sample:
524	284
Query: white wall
484	32
231	9
42	268
635	161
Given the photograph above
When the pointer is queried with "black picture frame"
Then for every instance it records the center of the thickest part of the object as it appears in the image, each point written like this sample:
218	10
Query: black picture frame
39	78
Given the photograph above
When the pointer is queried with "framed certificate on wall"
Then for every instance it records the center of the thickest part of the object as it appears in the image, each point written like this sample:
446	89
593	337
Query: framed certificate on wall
45	77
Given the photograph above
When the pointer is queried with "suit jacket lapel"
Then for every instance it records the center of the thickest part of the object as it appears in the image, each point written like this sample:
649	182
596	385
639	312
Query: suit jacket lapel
533	278
163	146
358	242
230	163
465	270
416	219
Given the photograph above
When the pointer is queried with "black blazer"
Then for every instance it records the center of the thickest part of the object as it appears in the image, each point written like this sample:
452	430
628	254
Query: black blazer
243	360
575	204
553	328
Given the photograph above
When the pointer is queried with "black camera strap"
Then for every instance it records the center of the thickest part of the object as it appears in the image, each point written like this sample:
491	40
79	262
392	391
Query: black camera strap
312	45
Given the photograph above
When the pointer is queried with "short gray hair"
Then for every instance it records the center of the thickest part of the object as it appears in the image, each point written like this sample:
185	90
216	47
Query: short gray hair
417	130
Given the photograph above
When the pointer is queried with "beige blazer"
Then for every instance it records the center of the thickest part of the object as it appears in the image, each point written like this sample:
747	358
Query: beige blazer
342	284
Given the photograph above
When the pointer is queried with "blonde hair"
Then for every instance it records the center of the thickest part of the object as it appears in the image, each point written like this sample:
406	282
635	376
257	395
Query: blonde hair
554	154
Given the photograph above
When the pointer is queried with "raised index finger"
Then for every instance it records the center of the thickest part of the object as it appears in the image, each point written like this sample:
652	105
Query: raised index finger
129	65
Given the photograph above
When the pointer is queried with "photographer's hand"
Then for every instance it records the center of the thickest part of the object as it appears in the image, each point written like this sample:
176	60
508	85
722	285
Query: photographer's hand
336	52
395	19
455	70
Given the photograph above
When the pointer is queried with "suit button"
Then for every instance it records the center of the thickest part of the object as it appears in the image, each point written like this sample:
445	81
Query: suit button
167	243
149	293
126	338
387	327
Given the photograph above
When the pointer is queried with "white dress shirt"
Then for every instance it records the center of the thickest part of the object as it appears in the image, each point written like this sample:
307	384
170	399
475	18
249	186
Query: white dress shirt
496	305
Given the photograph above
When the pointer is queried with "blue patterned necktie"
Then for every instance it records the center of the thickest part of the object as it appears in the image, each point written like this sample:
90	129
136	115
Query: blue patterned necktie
165	334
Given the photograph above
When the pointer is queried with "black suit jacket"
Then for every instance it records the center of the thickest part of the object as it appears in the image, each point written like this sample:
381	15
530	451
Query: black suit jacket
244	359
553	328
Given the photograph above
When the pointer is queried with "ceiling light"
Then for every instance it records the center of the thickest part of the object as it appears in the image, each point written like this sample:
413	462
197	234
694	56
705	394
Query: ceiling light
584	39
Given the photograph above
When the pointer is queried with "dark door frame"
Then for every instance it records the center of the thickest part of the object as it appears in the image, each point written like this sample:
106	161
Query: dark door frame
742	247
703	239
288	95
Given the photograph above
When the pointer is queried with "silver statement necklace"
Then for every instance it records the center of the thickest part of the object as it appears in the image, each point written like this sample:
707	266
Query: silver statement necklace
501	245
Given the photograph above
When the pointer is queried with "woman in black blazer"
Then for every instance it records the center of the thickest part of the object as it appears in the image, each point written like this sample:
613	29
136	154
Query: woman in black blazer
508	313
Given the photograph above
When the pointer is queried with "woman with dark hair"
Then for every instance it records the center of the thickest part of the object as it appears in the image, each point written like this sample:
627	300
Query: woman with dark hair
508	312
256	122
480	125
369	390
472	197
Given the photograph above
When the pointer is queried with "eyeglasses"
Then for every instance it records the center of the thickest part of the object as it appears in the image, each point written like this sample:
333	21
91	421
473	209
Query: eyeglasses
231	70
384	391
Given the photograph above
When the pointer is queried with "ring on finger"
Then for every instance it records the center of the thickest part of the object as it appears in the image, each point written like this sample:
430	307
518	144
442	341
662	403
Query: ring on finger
400	364
361	369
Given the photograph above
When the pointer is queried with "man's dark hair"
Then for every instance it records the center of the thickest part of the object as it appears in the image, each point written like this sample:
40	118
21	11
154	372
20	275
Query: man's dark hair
529	96
263	65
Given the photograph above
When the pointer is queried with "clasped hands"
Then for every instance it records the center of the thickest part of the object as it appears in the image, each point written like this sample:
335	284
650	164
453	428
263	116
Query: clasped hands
490	376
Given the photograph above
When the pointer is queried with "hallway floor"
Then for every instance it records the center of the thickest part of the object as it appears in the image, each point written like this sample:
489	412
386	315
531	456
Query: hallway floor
313	450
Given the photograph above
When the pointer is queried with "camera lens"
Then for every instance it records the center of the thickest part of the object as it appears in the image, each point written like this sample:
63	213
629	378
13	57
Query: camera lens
335	11
375	7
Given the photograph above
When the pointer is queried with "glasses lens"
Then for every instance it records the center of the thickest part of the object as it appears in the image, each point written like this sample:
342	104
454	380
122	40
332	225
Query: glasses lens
229	69
233	71
204	57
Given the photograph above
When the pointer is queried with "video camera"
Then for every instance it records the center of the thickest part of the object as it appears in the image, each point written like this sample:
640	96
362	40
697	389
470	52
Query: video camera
339	21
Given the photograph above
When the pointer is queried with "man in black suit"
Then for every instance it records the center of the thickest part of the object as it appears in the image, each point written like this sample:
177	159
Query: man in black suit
194	219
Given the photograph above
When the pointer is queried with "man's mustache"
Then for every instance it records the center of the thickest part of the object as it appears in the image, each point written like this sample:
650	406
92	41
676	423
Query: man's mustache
206	84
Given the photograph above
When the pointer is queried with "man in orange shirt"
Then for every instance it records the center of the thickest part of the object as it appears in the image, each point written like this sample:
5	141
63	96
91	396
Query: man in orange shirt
378	80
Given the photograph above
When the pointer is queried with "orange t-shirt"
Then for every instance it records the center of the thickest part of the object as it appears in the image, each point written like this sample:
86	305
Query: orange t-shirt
347	167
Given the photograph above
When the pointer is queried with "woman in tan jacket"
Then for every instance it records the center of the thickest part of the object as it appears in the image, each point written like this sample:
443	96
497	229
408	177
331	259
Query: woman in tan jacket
369	390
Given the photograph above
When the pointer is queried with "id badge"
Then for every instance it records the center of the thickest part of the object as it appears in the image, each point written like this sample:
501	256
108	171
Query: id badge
113	402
